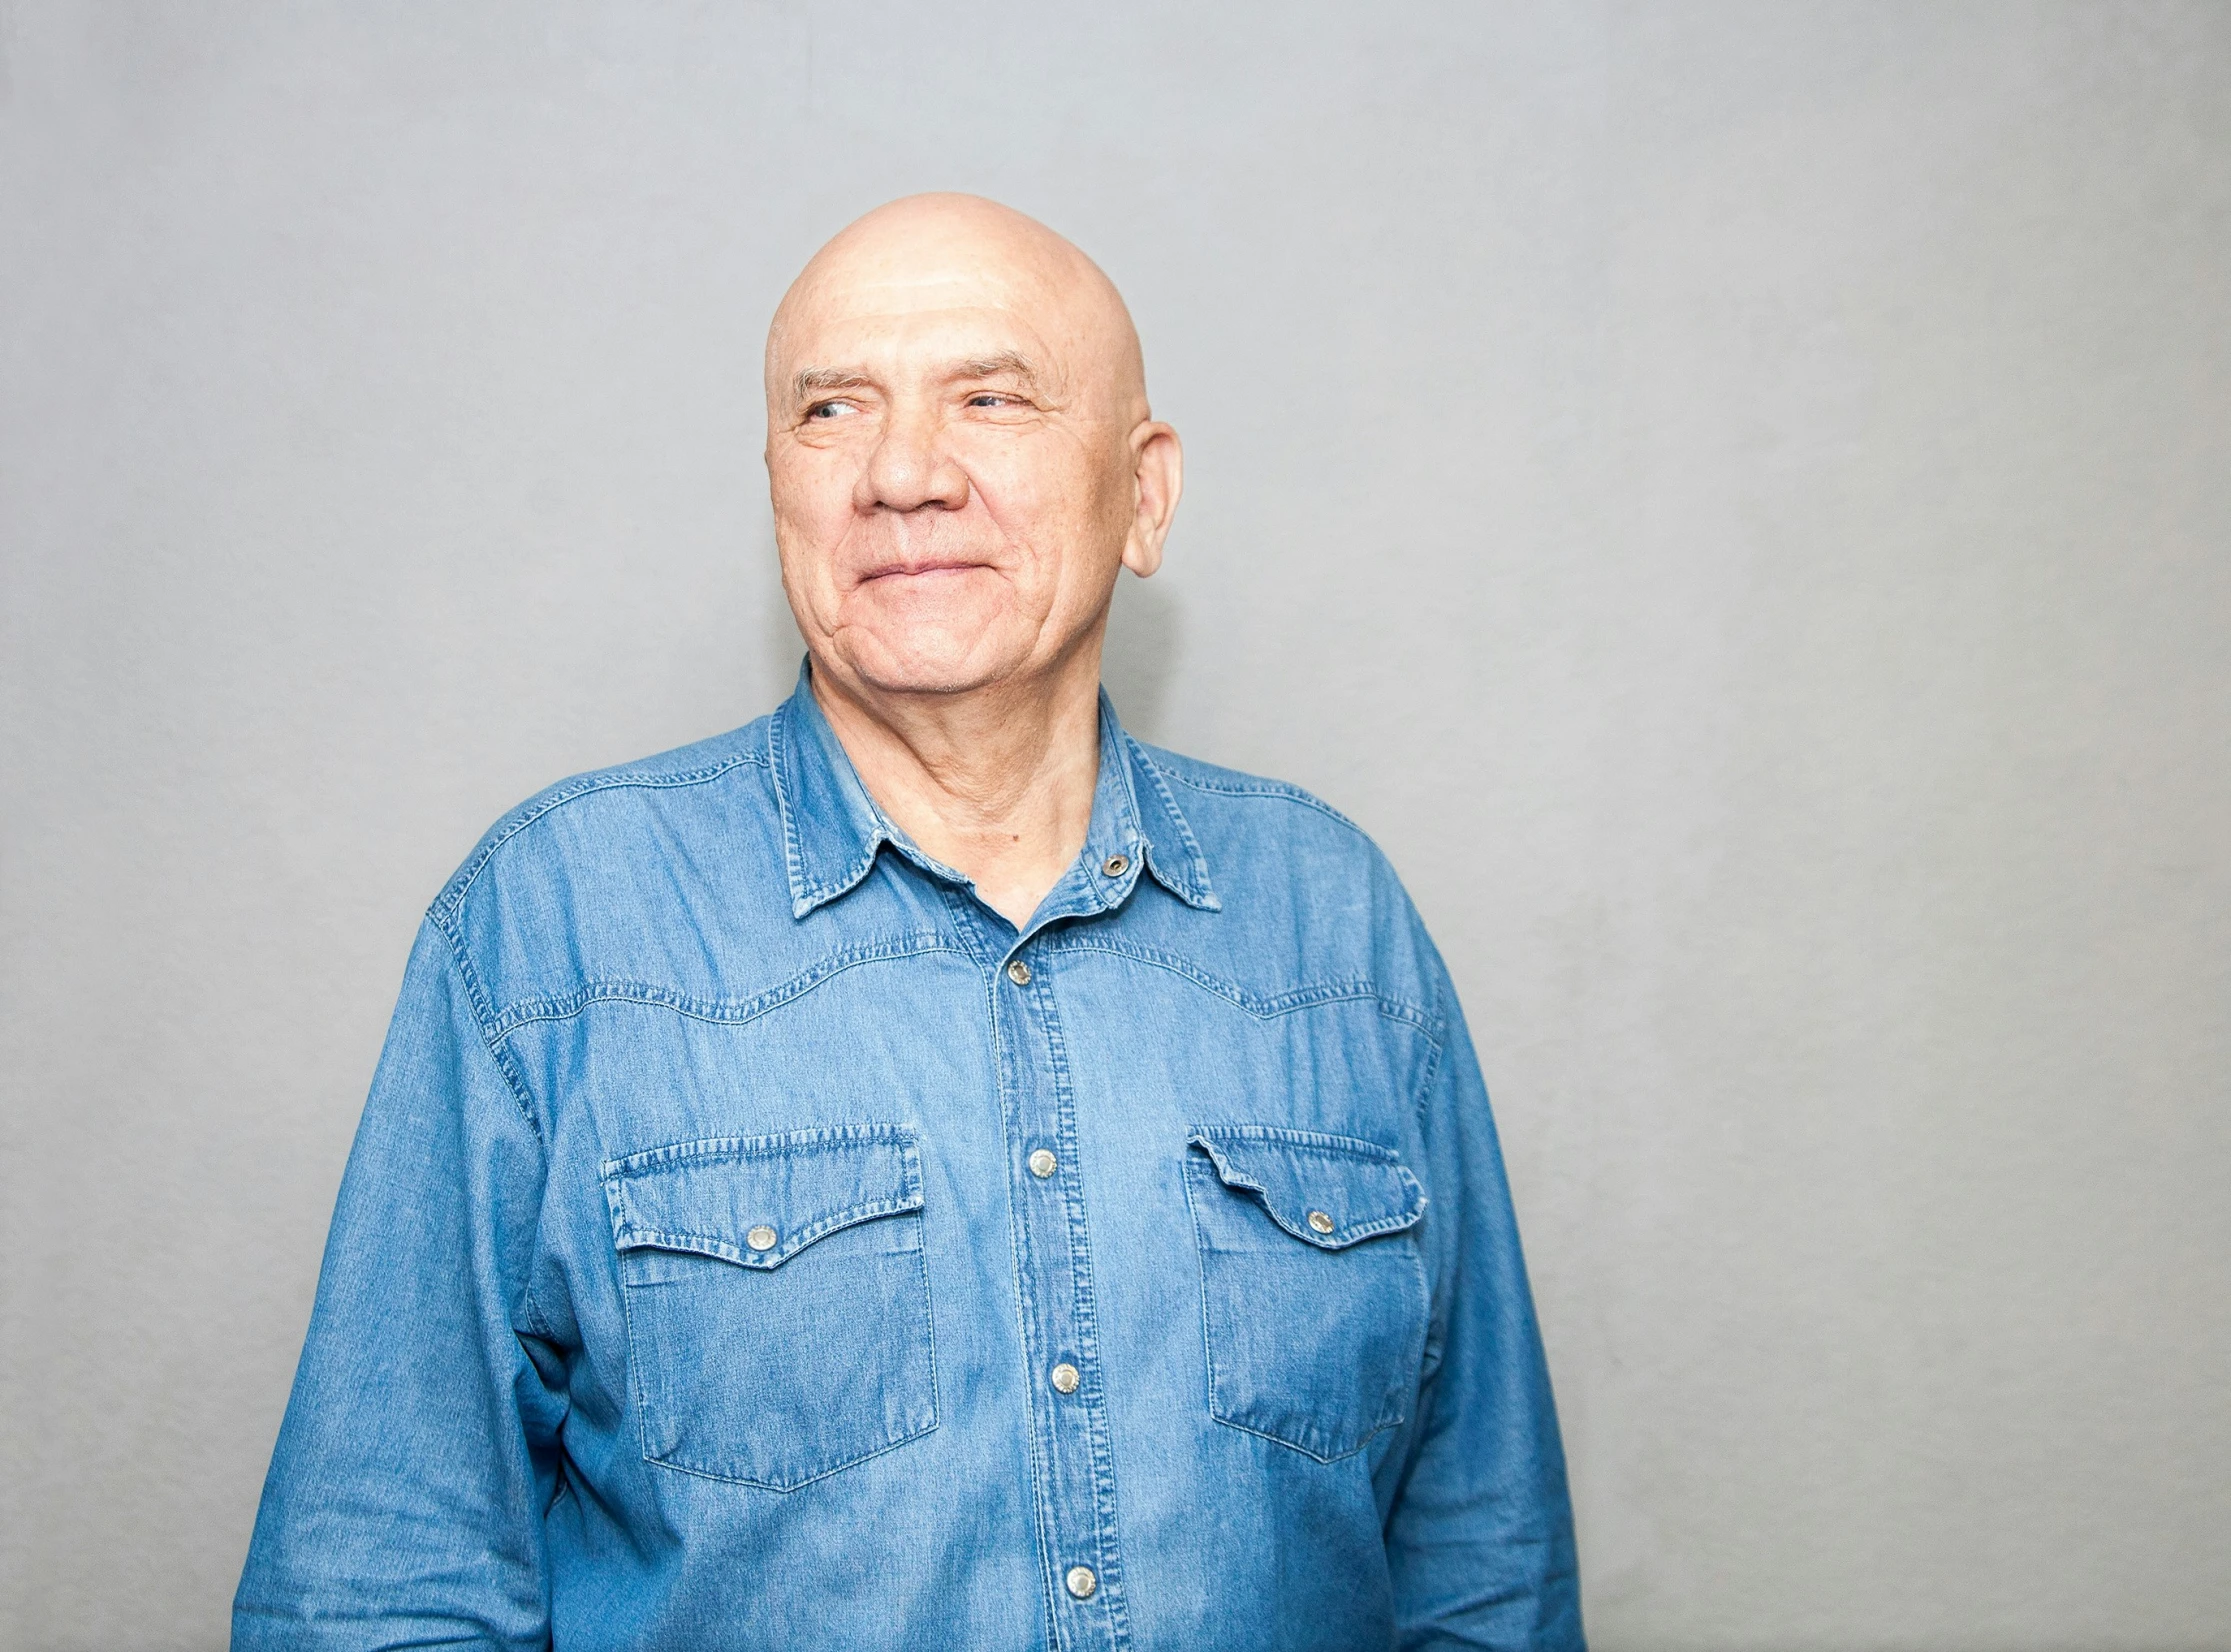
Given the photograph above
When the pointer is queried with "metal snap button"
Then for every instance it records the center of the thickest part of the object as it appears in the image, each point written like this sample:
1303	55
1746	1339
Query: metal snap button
1064	1378
1116	865
1019	973
1081	1582
1043	1164
1320	1221
761	1237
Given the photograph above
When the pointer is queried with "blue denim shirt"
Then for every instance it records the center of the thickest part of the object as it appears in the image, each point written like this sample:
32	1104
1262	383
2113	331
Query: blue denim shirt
752	1241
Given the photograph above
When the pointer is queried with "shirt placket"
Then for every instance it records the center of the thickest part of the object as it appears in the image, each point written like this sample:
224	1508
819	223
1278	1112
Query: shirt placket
1072	1463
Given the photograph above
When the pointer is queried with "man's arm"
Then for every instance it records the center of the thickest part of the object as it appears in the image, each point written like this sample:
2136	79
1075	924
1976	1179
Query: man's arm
1480	1537
405	1500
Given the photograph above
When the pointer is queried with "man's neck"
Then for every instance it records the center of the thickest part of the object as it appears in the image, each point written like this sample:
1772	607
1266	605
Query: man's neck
996	783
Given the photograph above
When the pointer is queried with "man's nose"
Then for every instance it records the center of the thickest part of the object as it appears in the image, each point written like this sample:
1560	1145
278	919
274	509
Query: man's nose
910	467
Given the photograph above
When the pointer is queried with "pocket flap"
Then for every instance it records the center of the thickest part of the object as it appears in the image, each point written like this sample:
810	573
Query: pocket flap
1328	1191
759	1200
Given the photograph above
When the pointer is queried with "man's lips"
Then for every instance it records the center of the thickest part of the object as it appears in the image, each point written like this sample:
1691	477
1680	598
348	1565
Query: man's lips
912	570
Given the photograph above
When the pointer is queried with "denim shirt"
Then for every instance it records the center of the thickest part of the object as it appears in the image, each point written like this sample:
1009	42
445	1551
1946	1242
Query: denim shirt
753	1241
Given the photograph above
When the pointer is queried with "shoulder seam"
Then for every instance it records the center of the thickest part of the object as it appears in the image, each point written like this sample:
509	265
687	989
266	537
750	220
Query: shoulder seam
1437	1043
514	1082
452	898
1264	788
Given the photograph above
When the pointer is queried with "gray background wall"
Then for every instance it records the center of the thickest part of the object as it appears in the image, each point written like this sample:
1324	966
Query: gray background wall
1734	496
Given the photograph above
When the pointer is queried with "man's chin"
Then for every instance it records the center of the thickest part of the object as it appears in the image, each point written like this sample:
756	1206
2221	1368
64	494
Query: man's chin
920	647
931	665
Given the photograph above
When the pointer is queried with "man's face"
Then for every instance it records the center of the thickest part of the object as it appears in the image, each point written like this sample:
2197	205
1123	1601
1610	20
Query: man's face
954	463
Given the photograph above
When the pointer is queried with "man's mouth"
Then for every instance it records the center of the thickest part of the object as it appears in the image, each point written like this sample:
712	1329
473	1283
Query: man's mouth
914	570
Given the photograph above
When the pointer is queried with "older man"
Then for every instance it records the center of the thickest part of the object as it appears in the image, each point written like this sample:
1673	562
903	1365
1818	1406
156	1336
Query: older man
926	1169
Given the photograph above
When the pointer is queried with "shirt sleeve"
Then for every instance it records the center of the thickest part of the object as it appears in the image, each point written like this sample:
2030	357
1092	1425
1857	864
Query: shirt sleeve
404	1506
1480	1532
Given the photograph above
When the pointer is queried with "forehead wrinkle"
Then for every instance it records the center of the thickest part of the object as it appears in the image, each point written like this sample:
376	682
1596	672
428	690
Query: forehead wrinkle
953	254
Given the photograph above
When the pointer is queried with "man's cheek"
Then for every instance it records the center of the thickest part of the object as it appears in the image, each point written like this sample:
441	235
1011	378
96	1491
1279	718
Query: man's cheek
1025	502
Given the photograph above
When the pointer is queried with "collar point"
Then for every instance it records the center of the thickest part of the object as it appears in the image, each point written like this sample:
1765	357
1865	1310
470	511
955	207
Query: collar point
1188	881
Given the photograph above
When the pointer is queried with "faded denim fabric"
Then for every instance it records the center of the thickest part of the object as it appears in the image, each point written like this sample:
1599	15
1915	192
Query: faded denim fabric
752	1241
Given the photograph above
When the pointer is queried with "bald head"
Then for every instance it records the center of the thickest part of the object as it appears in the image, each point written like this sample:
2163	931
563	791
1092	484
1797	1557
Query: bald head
960	454
930	255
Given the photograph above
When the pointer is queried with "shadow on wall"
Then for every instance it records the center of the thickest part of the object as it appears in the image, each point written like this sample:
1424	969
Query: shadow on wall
1143	636
782	644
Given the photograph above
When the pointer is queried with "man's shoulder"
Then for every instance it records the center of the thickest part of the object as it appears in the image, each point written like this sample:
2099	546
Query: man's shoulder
593	824
1245	814
1254	795
1311	903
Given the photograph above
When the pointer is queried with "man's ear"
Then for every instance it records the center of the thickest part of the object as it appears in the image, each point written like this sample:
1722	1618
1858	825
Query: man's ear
1157	477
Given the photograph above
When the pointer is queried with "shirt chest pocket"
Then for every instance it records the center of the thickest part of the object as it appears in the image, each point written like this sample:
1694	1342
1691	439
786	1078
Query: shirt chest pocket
1312	1284
778	1308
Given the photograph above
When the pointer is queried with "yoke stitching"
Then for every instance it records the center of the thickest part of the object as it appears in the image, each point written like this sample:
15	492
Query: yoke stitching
460	886
1263	1009
725	1011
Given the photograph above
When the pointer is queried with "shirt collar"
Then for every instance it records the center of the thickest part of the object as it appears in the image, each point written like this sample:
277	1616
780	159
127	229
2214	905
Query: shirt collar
832	829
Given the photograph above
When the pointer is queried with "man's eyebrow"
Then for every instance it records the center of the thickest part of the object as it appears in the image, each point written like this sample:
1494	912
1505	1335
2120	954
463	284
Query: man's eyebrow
819	381
813	381
991	366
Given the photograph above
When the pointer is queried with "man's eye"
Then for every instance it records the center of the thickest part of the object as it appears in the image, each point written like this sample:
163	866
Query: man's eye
990	398
829	410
